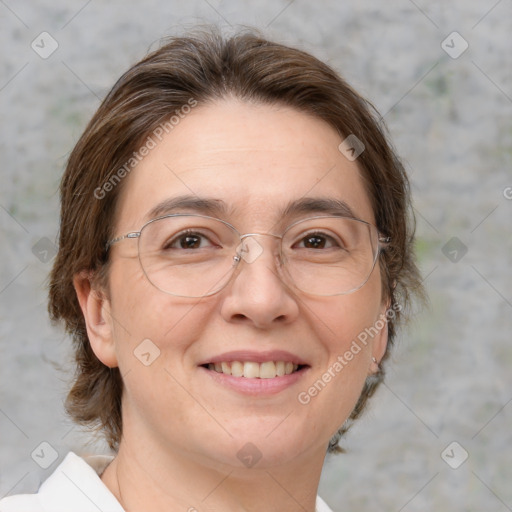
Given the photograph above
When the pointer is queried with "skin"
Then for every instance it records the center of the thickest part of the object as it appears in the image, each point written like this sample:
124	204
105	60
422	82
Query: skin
182	430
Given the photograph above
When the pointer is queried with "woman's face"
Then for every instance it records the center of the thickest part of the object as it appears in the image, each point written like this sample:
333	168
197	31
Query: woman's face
254	160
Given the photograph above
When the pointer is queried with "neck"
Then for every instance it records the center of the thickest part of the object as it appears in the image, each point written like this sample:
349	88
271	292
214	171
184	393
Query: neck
146	477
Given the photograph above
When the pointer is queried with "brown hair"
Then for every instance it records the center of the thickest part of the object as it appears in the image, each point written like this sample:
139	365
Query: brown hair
205	67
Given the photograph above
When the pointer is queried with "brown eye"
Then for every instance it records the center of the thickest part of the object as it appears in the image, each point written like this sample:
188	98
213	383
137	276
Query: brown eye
190	240
314	242
317	241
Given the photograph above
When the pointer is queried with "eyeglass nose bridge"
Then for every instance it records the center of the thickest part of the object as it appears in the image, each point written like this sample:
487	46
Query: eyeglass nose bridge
249	249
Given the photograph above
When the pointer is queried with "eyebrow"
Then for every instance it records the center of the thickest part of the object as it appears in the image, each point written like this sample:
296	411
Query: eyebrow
328	205
218	208
204	205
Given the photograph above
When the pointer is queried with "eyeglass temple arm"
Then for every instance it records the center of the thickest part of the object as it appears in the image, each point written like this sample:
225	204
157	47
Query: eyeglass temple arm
133	234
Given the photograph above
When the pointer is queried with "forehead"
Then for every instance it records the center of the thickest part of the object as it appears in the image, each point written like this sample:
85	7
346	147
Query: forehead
254	159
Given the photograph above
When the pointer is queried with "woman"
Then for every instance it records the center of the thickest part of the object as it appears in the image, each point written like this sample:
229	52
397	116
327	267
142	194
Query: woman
234	240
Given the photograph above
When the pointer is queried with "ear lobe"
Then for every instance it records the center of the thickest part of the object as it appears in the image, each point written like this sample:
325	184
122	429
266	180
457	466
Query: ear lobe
96	310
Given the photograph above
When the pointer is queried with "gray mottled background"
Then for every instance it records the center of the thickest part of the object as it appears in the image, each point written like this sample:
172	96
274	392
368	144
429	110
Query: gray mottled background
450	118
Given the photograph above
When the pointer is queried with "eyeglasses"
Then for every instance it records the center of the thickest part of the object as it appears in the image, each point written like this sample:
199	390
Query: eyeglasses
196	256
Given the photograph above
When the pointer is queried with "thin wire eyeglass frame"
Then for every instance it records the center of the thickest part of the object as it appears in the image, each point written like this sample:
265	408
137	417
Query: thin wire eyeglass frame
382	242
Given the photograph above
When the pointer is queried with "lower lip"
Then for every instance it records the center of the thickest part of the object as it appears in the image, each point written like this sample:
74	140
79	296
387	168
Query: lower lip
256	387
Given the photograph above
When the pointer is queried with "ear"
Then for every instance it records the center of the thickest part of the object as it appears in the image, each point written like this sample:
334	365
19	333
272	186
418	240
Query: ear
380	341
96	310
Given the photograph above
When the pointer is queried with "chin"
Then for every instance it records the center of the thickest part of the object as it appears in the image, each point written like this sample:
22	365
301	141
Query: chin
254	447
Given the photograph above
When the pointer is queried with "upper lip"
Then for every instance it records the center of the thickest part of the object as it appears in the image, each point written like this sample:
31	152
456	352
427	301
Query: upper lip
256	357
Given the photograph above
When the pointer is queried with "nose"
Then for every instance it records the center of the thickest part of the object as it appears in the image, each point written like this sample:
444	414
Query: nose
256	295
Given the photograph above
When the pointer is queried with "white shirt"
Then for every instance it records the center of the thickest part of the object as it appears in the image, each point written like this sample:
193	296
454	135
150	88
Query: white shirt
75	486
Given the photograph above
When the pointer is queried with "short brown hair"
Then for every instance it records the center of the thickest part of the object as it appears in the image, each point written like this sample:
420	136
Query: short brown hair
205	67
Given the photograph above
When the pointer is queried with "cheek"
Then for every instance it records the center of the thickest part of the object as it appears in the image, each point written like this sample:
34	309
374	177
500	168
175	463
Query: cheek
346	318
141	312
154	333
346	327
348	333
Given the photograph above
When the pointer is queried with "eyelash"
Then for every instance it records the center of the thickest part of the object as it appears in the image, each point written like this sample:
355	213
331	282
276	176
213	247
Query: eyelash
328	238
176	238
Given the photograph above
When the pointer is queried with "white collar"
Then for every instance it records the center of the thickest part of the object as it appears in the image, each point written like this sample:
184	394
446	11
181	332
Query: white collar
76	483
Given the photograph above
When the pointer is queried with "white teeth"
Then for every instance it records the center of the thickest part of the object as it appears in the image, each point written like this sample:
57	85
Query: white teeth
237	369
267	370
253	370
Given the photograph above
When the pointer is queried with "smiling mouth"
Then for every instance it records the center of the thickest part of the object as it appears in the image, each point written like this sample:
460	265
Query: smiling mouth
254	370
